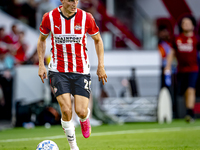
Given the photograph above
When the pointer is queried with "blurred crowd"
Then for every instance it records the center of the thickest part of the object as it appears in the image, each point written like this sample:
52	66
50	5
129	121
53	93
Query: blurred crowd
13	50
31	12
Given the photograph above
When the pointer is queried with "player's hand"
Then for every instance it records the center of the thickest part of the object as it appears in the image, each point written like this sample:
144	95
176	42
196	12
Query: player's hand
102	74
167	68
42	72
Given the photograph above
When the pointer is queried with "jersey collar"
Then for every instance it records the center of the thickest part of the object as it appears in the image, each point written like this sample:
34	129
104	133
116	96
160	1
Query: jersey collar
68	18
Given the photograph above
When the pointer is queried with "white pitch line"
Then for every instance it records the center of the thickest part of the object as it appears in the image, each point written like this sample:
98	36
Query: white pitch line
145	131
107	133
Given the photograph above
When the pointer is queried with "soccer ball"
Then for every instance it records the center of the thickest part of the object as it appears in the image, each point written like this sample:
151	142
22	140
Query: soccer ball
47	145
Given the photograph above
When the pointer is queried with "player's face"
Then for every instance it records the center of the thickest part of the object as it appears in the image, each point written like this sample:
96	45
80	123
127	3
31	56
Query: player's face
164	34
187	25
70	5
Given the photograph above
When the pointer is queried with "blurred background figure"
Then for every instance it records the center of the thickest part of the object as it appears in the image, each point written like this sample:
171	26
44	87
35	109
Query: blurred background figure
6	81
14	34
5	38
21	48
185	49
33	60
164	47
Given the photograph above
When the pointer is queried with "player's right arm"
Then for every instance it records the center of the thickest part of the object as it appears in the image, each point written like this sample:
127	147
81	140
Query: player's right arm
41	47
171	55
170	58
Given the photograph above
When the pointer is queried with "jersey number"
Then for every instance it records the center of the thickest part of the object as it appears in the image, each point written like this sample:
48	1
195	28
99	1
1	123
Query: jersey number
87	84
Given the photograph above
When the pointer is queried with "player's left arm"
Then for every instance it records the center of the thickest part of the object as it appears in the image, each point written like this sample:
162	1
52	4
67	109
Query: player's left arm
100	54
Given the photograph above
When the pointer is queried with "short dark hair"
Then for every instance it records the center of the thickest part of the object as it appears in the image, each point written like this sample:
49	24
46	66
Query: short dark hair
193	20
162	27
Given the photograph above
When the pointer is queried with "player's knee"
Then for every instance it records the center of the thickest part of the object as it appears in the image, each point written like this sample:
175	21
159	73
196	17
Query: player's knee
190	91
82	113
67	112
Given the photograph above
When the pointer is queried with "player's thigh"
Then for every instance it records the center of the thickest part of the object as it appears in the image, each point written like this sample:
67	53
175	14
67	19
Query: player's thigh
64	101
183	80
81	103
192	79
82	86
59	82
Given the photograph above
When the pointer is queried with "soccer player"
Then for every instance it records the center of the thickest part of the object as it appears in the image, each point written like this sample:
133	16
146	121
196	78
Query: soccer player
69	69
185	50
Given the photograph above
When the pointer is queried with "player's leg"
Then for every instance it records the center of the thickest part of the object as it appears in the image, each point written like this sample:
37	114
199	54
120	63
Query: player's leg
83	112
190	101
74	116
61	87
81	92
64	101
190	95
81	106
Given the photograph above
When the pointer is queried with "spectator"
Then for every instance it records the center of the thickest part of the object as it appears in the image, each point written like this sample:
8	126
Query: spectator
185	50
33	60
21	49
6	80
164	48
6	41
4	37
14	35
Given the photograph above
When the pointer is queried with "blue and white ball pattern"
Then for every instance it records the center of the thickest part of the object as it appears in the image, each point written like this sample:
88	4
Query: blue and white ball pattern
47	145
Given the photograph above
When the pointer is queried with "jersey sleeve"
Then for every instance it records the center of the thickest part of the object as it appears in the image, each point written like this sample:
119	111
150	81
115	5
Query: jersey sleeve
162	51
45	24
92	28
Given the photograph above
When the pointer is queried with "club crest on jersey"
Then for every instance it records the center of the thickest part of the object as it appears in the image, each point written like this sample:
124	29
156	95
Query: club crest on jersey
77	27
55	89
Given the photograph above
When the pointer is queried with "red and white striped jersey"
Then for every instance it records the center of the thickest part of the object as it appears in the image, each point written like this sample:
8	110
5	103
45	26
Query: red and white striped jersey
68	40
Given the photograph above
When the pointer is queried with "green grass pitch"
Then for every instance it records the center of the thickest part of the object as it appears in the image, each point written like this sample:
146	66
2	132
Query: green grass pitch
131	136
